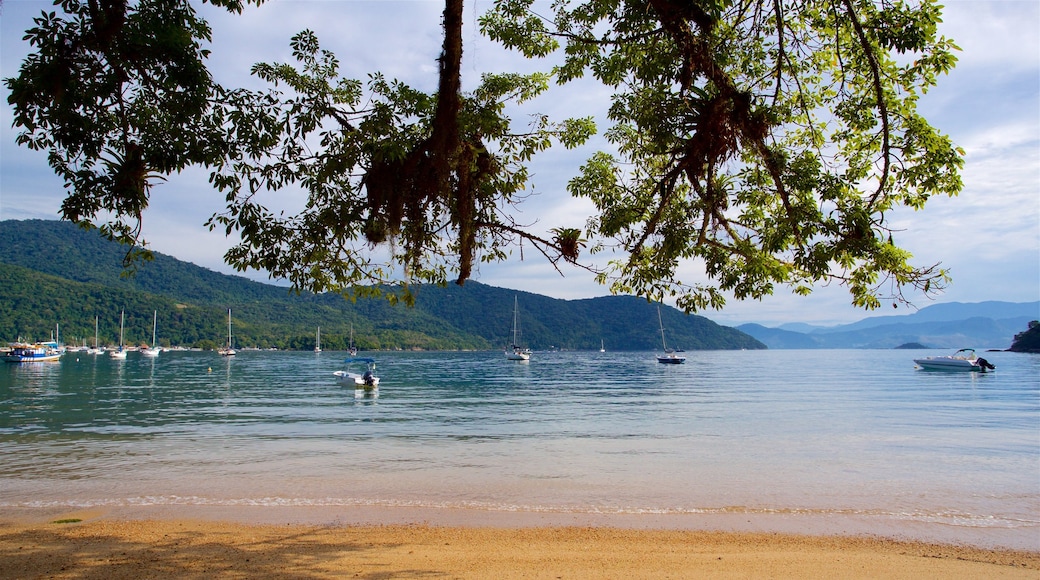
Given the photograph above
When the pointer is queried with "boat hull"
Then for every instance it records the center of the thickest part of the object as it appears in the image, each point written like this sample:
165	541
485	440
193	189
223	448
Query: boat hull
357	380
947	364
29	355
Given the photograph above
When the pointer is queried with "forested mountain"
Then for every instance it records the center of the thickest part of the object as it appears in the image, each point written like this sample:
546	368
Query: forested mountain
54	274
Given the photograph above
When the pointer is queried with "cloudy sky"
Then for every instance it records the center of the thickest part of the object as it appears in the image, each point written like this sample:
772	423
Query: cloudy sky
989	236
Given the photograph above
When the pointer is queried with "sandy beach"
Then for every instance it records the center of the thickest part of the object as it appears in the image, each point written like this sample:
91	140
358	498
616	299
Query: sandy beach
96	545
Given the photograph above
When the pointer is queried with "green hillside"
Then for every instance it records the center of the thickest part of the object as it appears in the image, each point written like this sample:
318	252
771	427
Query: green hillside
54	274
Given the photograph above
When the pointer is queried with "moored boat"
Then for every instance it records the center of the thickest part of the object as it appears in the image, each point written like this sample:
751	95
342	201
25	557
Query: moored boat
962	360
154	350
515	351
228	350
119	353
37	352
669	357
365	380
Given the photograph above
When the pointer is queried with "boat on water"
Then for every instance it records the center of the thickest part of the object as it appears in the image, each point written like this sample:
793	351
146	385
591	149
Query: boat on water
317	340
352	348
964	359
515	351
36	352
670	356
120	352
97	348
365	379
154	350
228	350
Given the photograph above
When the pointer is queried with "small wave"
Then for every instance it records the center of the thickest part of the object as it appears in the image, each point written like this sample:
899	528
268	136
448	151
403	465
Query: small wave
948	518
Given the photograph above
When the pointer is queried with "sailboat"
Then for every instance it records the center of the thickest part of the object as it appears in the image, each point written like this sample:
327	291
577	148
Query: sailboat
227	350
97	349
515	351
669	357
119	353
317	340
154	350
352	348
601	349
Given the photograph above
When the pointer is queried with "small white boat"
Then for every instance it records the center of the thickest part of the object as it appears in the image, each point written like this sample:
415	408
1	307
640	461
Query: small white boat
154	350
317	340
670	357
97	349
228	350
962	360
37	352
364	380
352	348
515	351
119	353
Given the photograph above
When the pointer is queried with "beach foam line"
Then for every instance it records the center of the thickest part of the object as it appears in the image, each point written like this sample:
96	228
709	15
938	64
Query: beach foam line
945	517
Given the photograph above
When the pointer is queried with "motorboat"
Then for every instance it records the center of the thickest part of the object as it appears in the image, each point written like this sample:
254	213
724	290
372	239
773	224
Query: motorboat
670	356
37	352
362	380
962	360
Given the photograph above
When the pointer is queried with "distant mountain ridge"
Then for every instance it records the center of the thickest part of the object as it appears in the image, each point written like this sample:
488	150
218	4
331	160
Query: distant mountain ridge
989	324
55	273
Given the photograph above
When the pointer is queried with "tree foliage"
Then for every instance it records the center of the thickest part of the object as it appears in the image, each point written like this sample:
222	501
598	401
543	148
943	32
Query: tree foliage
765	140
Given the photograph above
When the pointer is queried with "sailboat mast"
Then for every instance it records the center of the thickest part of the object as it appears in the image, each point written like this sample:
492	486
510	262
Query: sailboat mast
661	323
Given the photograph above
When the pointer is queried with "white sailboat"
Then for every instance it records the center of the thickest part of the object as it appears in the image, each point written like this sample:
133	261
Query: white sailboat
601	349
97	349
317	340
669	357
119	353
228	350
154	350
352	348
515	351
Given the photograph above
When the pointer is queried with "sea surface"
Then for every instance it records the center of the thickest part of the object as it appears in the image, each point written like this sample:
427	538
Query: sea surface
858	439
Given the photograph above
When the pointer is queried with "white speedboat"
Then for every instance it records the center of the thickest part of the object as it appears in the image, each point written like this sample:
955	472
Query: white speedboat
962	360
363	380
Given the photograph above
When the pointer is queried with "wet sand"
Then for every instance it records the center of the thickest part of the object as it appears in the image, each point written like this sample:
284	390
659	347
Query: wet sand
101	545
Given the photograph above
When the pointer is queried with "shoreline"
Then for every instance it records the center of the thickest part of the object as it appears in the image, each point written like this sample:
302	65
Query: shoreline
795	522
214	543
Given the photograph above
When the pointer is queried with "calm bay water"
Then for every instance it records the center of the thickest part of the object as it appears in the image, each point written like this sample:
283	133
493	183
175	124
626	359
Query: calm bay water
860	435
